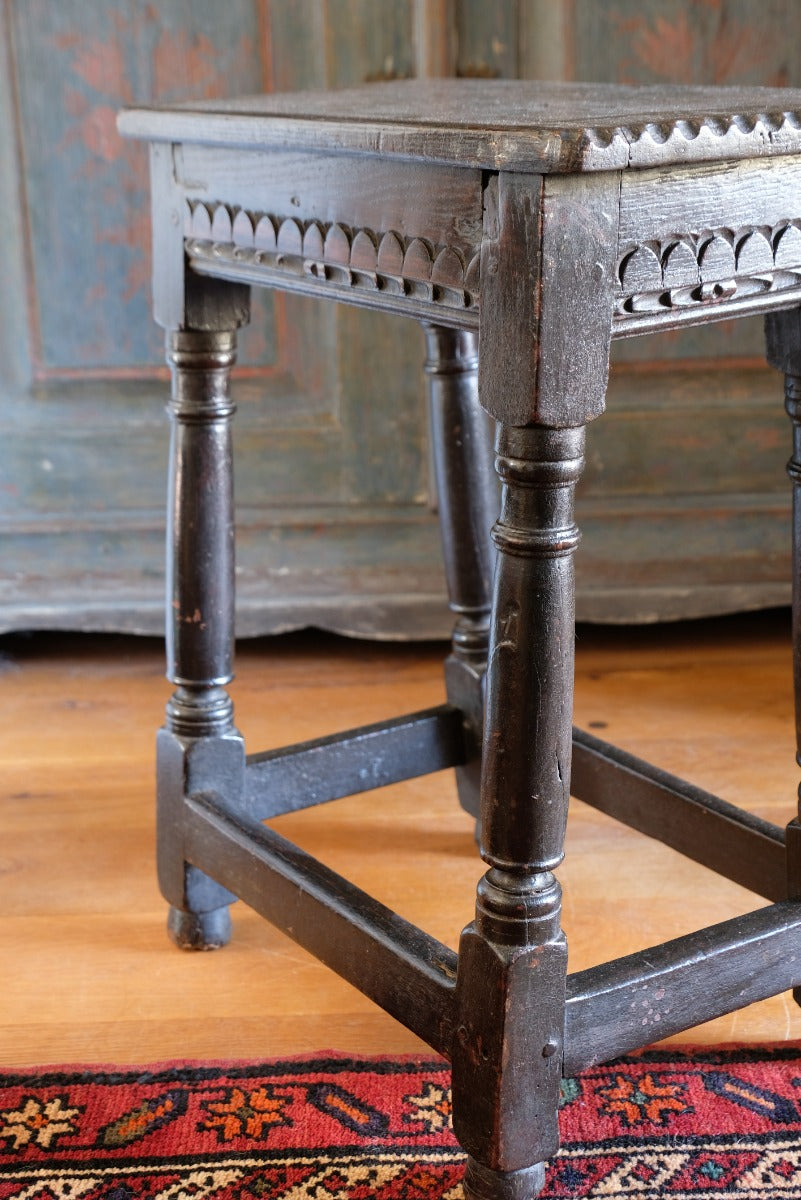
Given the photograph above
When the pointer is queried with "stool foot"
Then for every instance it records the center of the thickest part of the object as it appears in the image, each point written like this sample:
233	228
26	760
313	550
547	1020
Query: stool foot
200	931
482	1183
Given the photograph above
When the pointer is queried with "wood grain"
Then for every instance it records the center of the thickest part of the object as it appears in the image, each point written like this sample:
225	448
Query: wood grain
497	124
441	203
90	975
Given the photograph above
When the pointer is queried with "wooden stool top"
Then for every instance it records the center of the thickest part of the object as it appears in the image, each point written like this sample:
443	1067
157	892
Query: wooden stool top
499	124
509	204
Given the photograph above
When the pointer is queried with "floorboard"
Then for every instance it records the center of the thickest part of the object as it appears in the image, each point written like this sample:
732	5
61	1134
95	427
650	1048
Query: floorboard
89	974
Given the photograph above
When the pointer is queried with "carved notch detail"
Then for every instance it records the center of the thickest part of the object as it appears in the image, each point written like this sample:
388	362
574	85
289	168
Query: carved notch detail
334	253
710	267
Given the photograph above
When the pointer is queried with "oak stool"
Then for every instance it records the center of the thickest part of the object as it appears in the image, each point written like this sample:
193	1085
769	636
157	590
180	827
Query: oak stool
534	222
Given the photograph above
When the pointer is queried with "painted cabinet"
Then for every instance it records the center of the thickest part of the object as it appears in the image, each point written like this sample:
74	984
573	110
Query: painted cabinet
684	503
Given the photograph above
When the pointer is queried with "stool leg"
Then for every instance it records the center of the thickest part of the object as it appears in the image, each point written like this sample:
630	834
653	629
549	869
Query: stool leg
783	338
199	749
467	494
512	961
792	392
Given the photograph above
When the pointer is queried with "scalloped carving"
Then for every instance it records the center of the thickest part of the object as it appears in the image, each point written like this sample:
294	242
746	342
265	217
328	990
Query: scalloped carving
679	266
417	261
657	132
753	254
390	255
290	238
363	252
264	236
337	246
448	268
242	228
688	128
332	254
221	226
200	221
313	242
735	128
716	259
787	248
641	270
472	273
709	267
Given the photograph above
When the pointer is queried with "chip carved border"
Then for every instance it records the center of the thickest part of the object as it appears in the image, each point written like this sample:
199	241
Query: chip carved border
661	283
713	136
744	125
697	271
324	255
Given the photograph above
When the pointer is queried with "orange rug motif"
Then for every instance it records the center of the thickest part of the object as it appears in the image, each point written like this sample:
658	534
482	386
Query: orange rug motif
720	1124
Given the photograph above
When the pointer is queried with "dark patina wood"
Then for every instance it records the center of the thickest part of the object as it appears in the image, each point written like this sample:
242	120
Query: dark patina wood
467	498
296	777
699	825
404	970
550	220
665	989
500	124
513	959
199	733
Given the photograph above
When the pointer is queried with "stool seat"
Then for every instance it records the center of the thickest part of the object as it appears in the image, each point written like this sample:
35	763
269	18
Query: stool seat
499	124
524	225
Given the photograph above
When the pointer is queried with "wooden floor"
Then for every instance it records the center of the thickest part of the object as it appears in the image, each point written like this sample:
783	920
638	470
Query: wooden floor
88	974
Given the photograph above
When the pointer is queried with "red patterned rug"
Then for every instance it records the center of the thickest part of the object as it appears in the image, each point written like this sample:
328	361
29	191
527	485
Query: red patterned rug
707	1124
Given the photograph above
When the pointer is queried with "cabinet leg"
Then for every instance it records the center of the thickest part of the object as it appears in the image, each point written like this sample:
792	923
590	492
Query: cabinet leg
199	748
507	1059
467	494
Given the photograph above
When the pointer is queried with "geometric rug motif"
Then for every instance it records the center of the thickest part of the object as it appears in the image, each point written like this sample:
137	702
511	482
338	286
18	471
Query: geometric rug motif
704	1124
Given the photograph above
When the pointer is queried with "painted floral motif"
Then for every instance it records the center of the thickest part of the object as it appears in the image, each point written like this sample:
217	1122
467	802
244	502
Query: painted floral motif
78	63
703	41
250	1114
637	1100
431	1108
100	78
38	1122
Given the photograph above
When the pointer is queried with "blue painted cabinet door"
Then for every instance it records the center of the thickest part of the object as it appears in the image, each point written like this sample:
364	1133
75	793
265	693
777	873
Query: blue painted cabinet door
336	525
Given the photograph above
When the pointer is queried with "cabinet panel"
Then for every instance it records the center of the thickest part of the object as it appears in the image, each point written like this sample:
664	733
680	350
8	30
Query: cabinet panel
711	442
335	520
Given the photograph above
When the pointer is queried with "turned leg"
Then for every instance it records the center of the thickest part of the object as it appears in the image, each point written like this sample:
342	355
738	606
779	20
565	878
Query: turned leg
792	392
467	493
783	338
198	749
512	960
